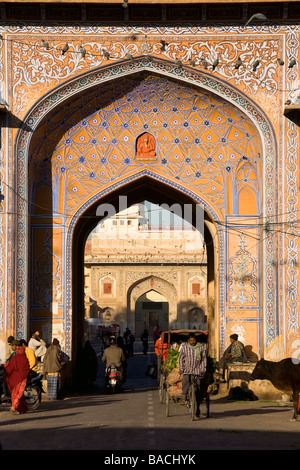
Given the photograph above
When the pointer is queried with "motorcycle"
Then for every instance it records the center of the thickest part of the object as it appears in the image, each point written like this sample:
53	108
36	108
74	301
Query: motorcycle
113	378
32	393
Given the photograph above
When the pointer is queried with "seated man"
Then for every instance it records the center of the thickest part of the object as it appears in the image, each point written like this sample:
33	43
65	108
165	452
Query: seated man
234	353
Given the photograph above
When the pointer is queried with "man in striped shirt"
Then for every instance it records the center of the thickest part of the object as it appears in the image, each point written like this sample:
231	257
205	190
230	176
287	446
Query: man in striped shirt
192	360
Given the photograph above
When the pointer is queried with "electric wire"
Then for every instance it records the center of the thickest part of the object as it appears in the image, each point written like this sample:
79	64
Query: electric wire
238	227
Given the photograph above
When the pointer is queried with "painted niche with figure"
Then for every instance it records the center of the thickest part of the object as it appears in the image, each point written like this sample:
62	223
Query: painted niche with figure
146	148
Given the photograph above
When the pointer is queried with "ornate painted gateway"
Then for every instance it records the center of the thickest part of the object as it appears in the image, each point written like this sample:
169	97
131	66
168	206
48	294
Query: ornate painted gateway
175	103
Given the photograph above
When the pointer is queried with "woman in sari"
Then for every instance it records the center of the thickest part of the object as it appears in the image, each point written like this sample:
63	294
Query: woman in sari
16	374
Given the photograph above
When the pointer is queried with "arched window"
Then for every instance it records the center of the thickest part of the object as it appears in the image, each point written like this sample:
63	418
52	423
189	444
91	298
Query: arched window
247	201
247	188
107	286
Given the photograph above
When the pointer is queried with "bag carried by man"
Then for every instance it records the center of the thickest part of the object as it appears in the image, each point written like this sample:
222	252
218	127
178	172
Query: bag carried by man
151	371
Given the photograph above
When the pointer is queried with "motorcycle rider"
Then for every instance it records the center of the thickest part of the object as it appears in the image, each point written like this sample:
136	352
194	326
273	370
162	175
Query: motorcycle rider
115	355
32	359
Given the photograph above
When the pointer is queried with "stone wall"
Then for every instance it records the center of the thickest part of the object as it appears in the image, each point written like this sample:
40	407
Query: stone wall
239	376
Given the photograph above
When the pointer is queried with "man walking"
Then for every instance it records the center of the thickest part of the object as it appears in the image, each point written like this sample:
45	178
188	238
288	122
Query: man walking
52	369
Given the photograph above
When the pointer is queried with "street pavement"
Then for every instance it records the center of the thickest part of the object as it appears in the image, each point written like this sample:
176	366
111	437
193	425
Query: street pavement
134	420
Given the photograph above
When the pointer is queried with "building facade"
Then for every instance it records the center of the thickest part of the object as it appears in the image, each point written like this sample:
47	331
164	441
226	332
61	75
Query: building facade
194	104
145	276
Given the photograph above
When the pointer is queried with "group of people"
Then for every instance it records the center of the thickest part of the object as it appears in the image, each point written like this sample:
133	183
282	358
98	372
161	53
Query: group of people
23	359
22	363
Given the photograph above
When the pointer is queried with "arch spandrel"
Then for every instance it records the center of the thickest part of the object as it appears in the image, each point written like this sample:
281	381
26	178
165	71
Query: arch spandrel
198	138
171	173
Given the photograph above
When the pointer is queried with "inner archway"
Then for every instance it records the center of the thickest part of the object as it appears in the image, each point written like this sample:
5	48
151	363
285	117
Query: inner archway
145	267
135	277
151	313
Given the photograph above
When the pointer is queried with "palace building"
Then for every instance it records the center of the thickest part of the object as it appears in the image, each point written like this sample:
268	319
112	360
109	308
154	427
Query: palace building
146	274
193	105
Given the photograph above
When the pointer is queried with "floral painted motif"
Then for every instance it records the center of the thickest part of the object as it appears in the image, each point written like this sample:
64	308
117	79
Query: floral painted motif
242	276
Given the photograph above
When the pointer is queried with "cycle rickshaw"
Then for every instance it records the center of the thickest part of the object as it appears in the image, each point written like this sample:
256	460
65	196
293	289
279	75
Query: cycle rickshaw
169	377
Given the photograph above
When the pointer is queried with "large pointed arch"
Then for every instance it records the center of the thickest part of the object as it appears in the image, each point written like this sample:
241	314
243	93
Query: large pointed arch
91	79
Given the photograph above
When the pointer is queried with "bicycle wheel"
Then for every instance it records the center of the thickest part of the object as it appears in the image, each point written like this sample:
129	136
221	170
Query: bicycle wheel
162	389
168	400
193	403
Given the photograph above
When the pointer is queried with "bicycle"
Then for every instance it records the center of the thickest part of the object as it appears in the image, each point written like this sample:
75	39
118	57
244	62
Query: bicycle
191	399
196	394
